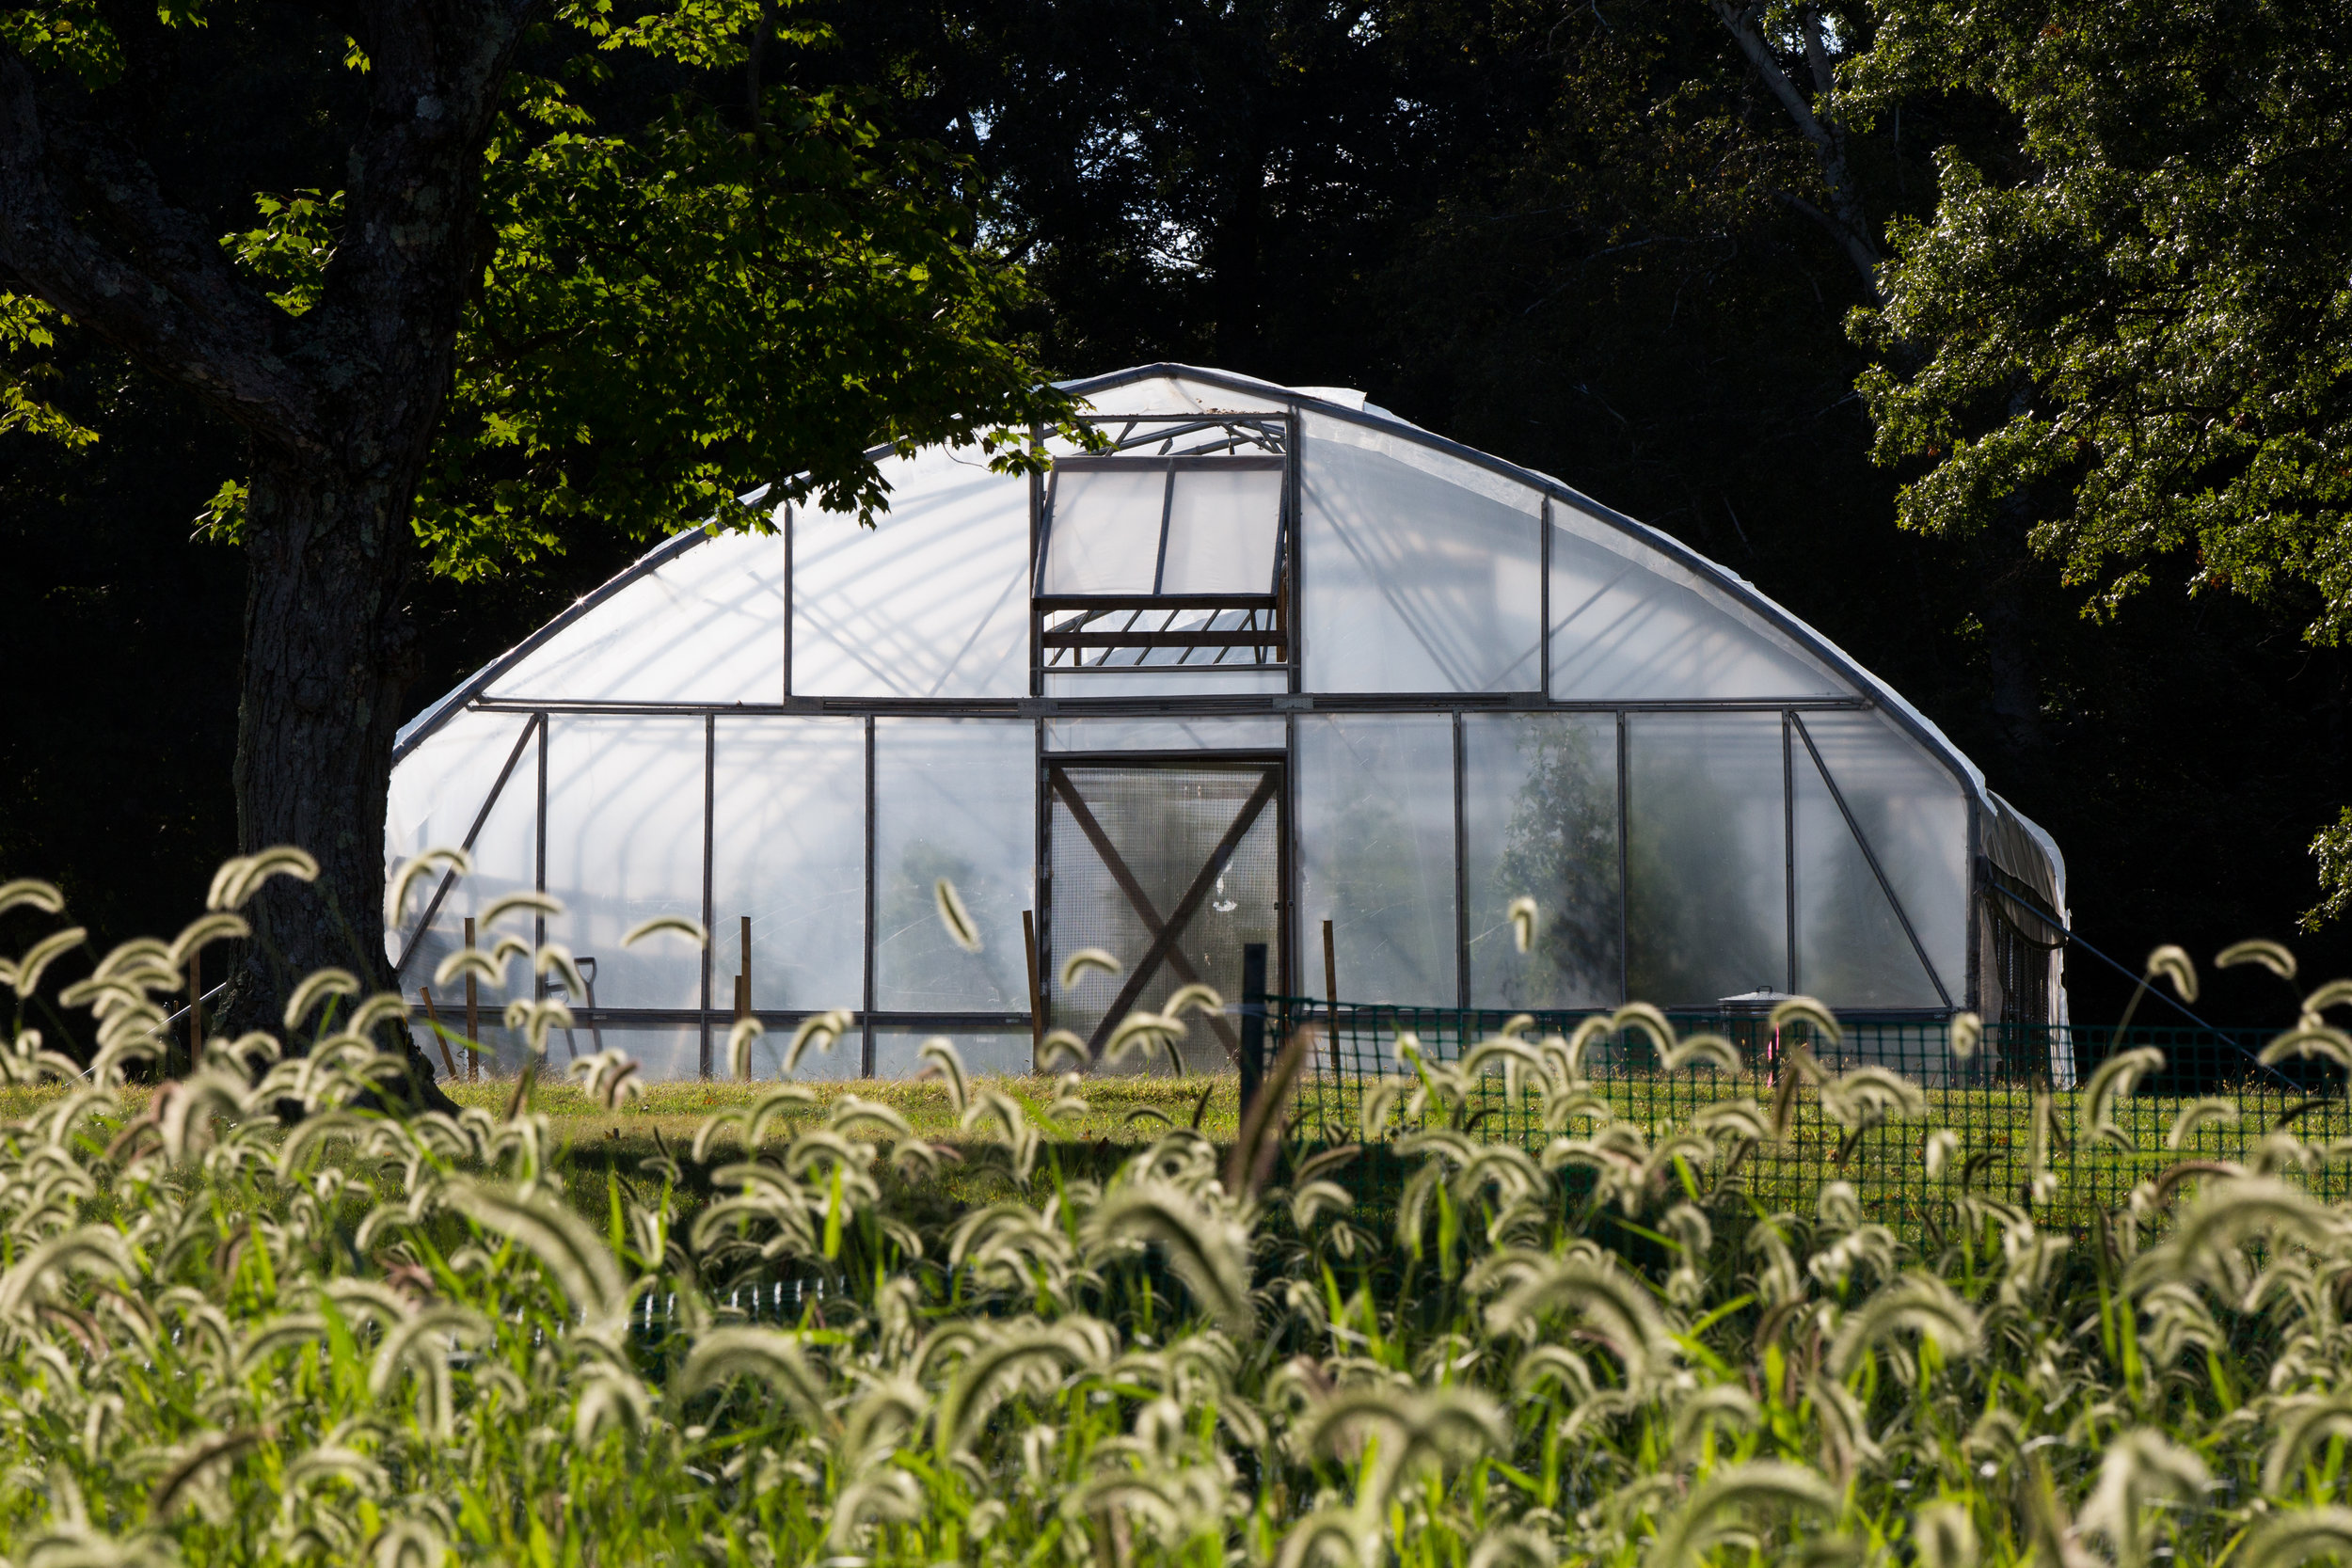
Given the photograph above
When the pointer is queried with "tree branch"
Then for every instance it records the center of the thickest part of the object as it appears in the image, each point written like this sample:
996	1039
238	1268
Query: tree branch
164	294
1846	221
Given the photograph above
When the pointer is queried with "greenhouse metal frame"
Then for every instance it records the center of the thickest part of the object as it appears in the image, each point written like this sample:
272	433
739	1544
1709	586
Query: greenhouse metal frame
1191	554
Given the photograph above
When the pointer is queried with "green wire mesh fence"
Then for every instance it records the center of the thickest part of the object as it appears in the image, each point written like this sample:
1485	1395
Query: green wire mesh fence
2018	1097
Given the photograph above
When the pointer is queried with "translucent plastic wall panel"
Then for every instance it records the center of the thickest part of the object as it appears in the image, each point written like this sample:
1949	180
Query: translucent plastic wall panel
953	798
1629	622
1540	812
789	852
1106	529
818	1066
1221	527
667	1054
1167	679
625	843
1165	735
437	792
933	601
1421	570
1851	949
706	627
429	808
1375	837
1000	1051
1707	867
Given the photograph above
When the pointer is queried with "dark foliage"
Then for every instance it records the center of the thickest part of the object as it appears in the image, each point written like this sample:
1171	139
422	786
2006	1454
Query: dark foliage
1573	235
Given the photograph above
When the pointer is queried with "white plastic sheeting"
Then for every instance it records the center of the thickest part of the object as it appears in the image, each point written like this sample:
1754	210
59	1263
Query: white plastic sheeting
1850	942
707	625
1628	624
435	798
932	601
953	798
1376	844
1705	873
1419	570
1419	574
1105	531
1539	810
789	852
1249	734
1221	527
625	845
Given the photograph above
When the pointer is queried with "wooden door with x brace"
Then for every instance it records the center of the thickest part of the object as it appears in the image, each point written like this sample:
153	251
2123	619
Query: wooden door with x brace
1172	866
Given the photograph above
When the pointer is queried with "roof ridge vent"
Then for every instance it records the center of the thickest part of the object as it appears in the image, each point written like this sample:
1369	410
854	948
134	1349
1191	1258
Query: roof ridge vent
1346	397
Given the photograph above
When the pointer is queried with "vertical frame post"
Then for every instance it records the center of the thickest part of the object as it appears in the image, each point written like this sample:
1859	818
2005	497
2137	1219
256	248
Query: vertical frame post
1788	840
539	855
865	1036
1293	538
1331	995
1037	576
710	914
1461	869
743	990
1037	1006
1252	1022
474	1017
1543	603
788	601
1294	870
1625	891
1042	882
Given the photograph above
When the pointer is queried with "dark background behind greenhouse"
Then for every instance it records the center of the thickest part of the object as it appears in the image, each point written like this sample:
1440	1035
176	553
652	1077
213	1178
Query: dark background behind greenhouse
1547	231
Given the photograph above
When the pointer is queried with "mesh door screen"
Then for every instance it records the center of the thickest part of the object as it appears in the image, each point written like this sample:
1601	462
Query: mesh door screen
1137	852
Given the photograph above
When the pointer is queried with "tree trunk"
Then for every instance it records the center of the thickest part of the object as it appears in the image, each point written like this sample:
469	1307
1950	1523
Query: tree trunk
328	653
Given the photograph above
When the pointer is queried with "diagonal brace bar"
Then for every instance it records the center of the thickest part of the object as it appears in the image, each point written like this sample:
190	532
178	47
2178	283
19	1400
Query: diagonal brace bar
449	879
1870	855
1164	935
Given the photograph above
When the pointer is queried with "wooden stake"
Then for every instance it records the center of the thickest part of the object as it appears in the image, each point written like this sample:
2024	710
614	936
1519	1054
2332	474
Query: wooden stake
1037	1009
744	988
439	1038
474	1016
1331	992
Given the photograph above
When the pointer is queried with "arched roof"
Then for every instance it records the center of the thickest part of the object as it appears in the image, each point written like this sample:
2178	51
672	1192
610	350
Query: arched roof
1155	384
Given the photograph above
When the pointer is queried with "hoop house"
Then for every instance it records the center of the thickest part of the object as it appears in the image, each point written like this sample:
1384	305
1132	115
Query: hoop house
1278	659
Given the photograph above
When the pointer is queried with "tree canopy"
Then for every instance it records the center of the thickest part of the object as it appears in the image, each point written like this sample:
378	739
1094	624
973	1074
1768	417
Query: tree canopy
1590	235
2128	318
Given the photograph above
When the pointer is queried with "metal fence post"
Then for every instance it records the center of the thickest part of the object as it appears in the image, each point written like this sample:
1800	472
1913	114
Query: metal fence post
1252	1022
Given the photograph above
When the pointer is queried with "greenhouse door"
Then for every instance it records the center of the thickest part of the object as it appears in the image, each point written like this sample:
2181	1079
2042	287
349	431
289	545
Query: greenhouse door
1173	868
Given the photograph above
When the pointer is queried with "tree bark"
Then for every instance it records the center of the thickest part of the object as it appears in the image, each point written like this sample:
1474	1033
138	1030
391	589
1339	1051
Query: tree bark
327	654
340	405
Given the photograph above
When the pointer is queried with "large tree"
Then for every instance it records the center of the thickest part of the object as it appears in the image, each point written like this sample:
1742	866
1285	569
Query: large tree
2127	321
524	268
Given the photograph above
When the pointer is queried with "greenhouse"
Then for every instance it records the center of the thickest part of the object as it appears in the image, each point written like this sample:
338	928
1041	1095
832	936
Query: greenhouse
1273	666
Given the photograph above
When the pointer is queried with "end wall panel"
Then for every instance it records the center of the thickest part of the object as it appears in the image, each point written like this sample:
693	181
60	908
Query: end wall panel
625	843
1420	571
1540	819
789	850
706	627
1375	837
933	601
953	798
1706	860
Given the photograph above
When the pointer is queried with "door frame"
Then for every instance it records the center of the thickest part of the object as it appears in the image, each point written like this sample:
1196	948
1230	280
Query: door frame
1253	760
